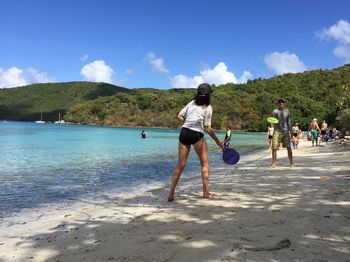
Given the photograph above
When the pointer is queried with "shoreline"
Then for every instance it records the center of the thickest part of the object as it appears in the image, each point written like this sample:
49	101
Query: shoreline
52	209
15	217
135	127
286	214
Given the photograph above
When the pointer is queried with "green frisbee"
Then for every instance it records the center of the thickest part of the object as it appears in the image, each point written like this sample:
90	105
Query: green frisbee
272	120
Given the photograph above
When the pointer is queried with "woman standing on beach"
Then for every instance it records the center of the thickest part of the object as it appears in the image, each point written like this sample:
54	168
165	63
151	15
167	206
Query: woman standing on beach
197	118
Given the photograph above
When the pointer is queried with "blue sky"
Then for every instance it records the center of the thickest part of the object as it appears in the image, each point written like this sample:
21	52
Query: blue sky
169	44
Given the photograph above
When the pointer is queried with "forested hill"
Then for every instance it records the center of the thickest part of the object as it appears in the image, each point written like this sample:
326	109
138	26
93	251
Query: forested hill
27	102
322	94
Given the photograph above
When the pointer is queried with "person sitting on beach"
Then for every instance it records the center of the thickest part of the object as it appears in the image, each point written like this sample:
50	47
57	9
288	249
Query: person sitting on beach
336	134
314	129
227	139
282	132
197	117
270	130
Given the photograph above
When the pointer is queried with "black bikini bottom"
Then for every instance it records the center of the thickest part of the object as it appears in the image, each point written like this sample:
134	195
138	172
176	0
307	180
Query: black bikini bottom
189	137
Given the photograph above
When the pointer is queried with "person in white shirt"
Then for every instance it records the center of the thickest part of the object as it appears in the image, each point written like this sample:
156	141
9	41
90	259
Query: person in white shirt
197	118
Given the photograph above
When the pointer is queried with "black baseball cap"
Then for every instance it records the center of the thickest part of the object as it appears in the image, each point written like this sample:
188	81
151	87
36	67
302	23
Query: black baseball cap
204	89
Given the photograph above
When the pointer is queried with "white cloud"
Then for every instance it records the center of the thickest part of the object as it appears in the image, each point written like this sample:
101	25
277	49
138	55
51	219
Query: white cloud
156	63
97	71
84	58
342	51
14	77
284	62
218	75
245	77
339	32
182	81
35	76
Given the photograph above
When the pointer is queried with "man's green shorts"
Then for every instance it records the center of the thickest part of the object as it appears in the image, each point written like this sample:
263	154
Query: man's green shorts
314	134
280	137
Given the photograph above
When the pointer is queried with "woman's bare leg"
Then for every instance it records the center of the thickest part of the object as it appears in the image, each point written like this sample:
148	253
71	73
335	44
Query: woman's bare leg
184	150
201	149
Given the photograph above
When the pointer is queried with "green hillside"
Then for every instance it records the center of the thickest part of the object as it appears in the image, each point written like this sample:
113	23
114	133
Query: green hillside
26	103
324	94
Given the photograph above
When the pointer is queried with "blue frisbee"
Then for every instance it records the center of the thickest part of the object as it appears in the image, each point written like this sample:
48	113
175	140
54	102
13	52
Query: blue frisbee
230	156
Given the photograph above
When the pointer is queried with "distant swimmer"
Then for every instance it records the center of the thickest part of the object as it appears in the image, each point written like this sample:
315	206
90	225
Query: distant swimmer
143	134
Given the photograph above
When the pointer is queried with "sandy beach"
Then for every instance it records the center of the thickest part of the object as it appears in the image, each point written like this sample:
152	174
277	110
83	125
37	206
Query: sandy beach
260	214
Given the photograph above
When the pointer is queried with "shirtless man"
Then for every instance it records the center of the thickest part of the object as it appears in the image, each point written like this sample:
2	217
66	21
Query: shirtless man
314	129
324	130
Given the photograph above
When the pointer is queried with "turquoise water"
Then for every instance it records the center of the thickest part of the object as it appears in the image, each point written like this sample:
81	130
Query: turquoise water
49	163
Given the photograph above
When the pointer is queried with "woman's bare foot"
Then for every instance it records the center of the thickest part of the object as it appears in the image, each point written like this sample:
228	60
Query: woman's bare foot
170	197
273	165
209	195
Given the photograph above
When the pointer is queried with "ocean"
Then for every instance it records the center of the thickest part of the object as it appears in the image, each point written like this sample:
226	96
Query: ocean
45	164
